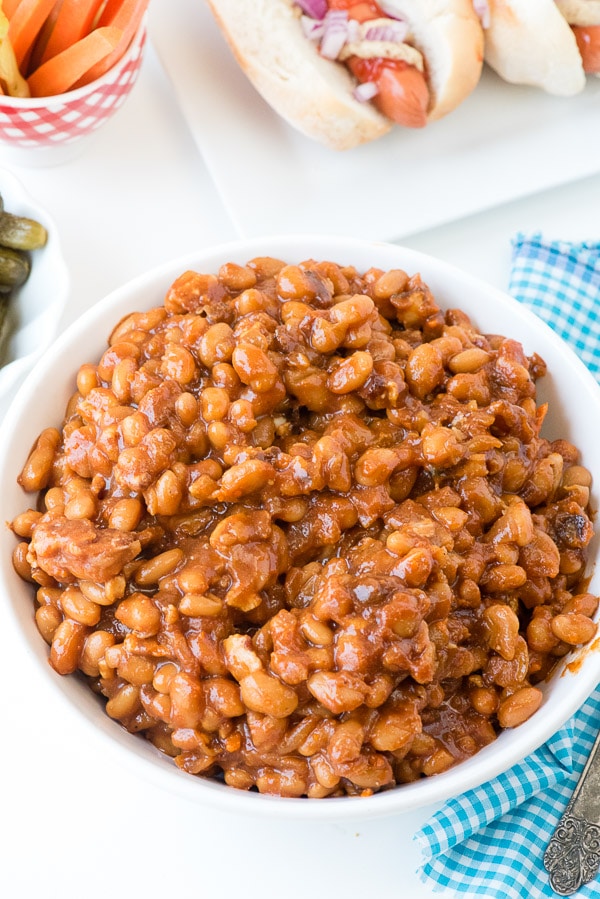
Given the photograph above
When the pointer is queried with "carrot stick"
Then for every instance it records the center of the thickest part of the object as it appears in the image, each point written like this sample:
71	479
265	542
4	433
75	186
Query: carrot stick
111	8
127	15
34	57
25	24
74	20
60	73
10	7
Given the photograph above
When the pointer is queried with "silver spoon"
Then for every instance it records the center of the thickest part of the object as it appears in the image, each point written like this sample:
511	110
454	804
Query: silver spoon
572	857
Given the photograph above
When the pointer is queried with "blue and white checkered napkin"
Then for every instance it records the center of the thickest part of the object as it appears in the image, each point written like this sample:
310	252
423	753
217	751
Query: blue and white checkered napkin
560	282
491	840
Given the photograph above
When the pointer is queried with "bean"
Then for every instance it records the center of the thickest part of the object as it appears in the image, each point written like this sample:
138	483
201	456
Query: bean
94	648
576	475
187	700
440	761
519	706
484	700
198	605
350	374
264	693
237	277
214	403
151	571
126	514
36	471
294	284
245	478
48	618
124	703
217	344
338	691
391	282
87	379
223	695
83	505
67	644
502	630
136	670
424	370
253	367
21	563
140	614
393	731
78	607
470	360
186	407
573	628
502	577
24	523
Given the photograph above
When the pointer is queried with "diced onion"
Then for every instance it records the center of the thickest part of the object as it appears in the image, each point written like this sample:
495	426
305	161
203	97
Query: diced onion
312	29
395	33
353	30
316	9
365	91
482	8
335	33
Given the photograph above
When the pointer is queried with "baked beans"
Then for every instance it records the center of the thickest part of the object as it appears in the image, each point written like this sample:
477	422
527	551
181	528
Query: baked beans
301	530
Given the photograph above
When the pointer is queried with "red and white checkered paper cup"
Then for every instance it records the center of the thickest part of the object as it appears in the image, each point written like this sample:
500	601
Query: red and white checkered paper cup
40	123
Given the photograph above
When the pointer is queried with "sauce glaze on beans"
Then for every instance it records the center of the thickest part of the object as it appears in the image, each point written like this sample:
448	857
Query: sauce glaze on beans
301	530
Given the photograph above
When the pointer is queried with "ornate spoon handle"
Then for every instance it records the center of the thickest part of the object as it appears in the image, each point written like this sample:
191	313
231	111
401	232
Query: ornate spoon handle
573	854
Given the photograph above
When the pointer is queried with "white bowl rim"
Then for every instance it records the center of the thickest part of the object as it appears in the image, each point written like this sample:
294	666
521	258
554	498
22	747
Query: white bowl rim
404	798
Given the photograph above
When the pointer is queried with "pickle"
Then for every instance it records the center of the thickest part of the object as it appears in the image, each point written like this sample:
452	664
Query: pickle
14	267
4	302
21	233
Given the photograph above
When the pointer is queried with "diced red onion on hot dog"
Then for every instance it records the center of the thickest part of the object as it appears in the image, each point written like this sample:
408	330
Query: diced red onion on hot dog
312	28
394	33
482	8
365	91
335	34
316	9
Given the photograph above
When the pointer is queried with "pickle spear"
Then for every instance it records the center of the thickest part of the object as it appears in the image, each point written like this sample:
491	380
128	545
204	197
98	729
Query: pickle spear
21	233
4	303
14	268
19	237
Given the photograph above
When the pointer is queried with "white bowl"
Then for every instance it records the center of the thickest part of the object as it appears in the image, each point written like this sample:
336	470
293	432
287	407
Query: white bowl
574	414
36	308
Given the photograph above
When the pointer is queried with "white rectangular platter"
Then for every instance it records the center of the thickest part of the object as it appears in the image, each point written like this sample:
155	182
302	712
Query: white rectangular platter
504	142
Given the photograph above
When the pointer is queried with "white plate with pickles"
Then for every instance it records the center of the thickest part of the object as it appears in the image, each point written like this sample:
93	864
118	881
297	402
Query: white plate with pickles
34	284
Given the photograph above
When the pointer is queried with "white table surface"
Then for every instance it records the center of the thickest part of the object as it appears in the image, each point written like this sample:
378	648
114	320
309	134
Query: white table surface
72	823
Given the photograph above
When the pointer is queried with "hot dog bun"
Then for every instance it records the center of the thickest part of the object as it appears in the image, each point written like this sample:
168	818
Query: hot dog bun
530	42
315	95
312	94
450	37
583	17
580	12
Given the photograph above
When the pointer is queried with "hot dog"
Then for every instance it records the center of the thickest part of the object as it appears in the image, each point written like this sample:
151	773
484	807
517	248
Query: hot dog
345	71
531	42
584	18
